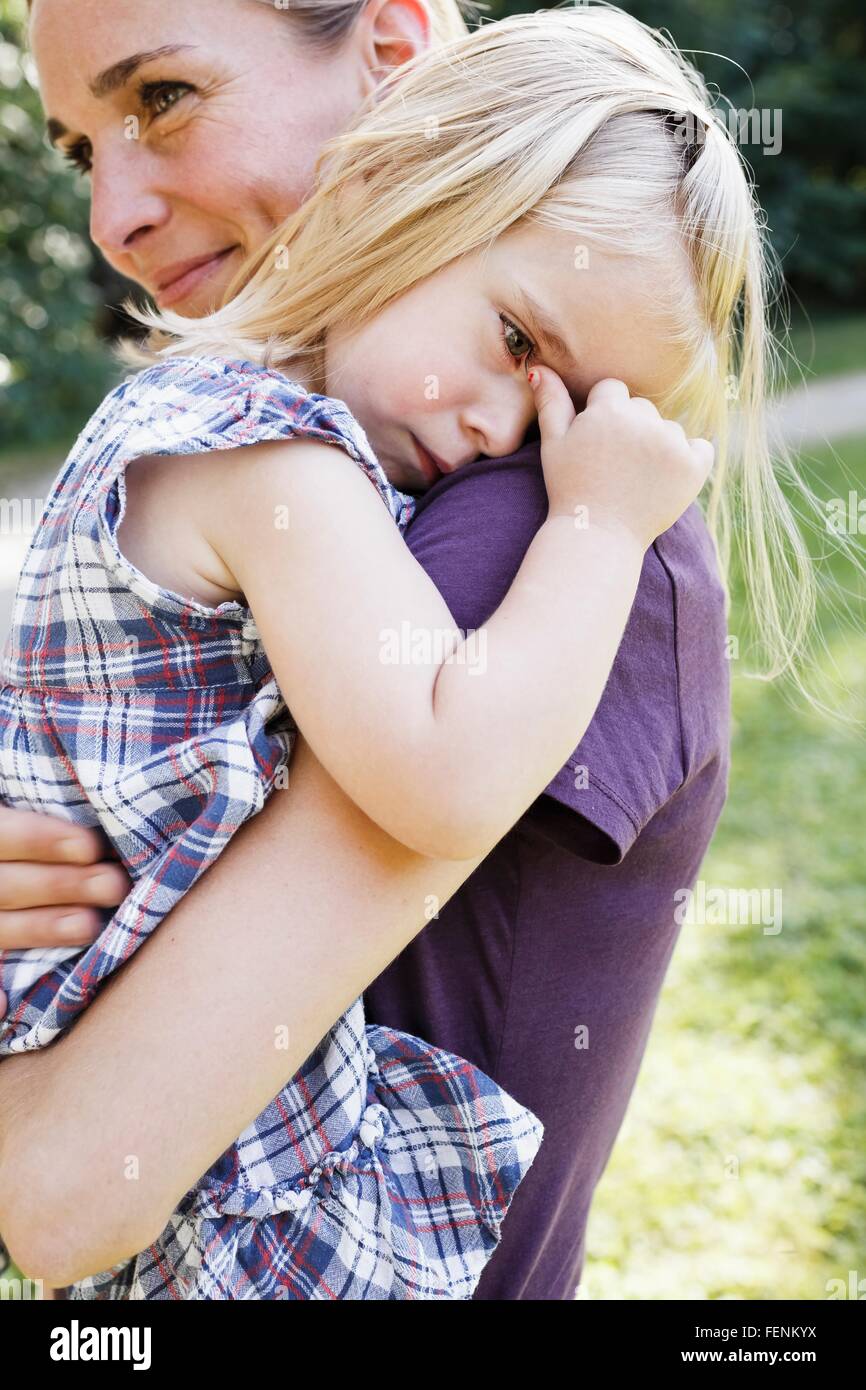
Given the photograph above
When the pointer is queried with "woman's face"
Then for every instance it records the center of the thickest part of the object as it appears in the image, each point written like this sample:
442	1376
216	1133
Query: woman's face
199	123
445	363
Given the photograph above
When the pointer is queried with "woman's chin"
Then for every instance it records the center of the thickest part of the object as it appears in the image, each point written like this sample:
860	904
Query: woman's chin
198	306
208	295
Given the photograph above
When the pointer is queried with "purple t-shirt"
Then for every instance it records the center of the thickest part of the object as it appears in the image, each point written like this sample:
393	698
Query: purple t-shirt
545	968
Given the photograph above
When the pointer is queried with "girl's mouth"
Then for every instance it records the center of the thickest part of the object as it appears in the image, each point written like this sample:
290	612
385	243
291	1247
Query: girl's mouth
432	467
176	282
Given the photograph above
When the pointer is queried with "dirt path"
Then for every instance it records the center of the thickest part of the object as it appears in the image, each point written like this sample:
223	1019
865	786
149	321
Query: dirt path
824	411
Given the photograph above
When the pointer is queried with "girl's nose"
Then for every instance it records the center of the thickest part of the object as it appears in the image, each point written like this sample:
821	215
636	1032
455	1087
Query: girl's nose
501	422
124	206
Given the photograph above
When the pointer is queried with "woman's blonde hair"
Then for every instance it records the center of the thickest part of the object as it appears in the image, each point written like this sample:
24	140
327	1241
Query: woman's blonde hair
328	22
579	118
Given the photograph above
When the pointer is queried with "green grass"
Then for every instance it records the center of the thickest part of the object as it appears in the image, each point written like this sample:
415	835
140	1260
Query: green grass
740	1168
827	345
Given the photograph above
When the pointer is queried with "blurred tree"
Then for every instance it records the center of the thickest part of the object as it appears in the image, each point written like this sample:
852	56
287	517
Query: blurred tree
54	364
809	62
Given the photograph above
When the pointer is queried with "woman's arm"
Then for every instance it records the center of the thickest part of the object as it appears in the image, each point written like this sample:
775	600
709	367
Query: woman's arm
307	905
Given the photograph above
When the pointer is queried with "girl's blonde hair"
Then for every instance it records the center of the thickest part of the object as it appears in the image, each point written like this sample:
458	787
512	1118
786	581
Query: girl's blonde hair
577	118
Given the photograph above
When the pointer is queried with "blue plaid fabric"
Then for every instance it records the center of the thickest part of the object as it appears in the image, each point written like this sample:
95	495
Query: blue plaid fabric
385	1167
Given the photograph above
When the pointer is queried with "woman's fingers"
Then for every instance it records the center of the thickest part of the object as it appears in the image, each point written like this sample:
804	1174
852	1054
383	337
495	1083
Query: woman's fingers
47	885
52	883
67	901
53	880
47	839
66	924
48	926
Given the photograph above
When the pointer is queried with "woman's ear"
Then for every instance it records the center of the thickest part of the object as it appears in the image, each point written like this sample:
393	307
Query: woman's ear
390	33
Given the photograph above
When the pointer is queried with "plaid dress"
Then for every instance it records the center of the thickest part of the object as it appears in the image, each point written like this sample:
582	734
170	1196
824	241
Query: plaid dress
385	1167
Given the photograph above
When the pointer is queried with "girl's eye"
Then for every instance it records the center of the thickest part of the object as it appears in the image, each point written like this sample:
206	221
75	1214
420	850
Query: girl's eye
159	97
516	344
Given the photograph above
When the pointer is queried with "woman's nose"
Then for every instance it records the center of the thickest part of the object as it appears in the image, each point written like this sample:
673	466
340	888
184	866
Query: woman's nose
501	422
124	206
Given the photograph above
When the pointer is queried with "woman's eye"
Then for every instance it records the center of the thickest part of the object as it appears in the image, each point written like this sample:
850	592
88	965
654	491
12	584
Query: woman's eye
80	156
156	97
517	345
159	97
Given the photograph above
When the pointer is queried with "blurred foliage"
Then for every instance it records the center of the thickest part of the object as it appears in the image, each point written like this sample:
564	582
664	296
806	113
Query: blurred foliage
54	367
807	61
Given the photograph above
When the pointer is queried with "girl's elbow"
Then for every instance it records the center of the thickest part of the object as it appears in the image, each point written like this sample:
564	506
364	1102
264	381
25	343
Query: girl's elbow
436	806
459	844
59	1238
63	1252
448	834
39	1256
30	1232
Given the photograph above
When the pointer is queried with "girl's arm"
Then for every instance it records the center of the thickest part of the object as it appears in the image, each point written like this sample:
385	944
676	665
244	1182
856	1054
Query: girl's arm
313	901
442	754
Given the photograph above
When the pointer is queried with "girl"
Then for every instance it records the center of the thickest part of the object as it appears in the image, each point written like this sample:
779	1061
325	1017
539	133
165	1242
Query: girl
200	403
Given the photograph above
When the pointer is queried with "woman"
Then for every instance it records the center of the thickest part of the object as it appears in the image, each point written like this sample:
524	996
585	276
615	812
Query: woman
160	215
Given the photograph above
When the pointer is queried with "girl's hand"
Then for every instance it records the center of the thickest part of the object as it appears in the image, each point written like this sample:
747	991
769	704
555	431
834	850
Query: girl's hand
630	468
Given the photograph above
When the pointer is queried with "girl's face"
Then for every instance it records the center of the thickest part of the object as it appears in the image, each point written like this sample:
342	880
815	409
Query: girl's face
199	123
444	365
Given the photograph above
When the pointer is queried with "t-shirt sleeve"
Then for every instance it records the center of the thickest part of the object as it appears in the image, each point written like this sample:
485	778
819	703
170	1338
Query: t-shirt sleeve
470	533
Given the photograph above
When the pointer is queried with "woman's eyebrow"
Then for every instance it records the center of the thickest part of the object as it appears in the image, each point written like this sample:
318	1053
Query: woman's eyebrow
114	78
111	79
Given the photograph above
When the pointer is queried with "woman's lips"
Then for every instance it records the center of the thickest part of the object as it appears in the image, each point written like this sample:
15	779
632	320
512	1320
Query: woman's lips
178	281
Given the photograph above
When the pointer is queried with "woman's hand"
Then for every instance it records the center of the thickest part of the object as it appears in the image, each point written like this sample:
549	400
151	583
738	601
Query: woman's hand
53	878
